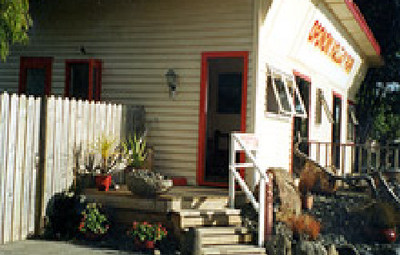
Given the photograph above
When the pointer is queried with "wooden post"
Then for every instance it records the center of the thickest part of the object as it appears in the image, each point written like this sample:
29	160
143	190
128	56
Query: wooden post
40	180
269	207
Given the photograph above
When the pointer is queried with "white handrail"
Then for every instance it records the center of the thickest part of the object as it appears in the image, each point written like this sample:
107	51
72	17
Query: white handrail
234	177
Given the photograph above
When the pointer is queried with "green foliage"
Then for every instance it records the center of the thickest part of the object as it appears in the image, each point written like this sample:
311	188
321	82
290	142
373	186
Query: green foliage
147	232
93	220
381	215
107	149
379	94
135	151
63	215
15	22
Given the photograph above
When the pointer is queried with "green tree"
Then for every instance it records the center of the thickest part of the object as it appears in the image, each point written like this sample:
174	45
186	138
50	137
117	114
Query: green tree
15	22
378	98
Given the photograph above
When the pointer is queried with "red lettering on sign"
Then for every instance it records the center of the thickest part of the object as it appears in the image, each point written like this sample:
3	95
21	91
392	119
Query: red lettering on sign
324	41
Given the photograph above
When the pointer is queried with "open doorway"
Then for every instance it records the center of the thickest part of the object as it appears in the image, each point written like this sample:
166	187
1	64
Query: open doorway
222	111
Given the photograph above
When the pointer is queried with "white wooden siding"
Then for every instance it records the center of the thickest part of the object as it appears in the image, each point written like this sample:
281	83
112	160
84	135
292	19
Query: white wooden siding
138	41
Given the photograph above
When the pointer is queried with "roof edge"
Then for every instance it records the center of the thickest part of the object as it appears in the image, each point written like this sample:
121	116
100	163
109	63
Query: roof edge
353	8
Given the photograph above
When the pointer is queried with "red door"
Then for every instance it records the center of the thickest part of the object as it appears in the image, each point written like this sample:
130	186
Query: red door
223	100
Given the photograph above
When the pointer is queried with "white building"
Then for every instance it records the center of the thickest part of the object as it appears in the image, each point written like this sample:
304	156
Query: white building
238	63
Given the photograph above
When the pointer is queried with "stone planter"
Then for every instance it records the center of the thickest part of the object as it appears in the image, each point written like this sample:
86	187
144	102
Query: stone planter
146	183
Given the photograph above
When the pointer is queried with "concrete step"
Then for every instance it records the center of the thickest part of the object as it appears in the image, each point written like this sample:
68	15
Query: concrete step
222	235
238	249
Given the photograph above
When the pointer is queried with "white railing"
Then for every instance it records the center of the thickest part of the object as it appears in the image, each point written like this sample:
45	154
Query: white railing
248	143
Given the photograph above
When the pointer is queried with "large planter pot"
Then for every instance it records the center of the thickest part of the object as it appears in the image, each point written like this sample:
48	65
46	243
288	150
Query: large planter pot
146	183
103	182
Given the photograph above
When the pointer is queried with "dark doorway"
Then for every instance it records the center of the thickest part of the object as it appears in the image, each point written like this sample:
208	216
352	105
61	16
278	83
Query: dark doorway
336	130
224	112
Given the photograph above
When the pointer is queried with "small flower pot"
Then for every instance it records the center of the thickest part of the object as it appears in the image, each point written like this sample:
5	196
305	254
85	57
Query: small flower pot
103	182
389	235
144	245
89	236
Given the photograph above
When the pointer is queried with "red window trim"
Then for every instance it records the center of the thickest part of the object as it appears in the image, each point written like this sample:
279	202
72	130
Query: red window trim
92	63
35	62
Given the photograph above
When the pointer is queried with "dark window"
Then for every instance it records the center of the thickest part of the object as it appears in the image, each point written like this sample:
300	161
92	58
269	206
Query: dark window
35	76
83	79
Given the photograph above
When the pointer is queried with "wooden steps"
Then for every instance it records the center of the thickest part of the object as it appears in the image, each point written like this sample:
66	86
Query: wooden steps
185	219
237	249
209	232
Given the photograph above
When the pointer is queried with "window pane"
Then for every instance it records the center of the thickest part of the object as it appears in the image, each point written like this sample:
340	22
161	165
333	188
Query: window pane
280	87
79	81
35	81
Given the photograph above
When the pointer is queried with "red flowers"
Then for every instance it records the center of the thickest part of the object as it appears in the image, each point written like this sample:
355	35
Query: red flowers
147	232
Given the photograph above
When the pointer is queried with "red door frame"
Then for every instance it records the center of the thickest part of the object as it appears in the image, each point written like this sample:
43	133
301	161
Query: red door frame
92	63
336	94
205	56
35	62
308	79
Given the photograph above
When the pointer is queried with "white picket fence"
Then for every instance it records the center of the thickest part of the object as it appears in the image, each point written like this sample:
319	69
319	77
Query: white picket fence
39	145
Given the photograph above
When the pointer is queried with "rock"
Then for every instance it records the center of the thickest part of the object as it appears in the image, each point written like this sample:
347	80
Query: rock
332	250
310	248
286	191
279	245
347	249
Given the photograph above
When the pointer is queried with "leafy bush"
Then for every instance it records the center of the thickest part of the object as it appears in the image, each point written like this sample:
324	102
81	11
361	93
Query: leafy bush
93	220
147	232
135	151
303	225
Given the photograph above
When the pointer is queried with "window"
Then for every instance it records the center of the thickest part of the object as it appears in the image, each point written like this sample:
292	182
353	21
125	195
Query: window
283	96
83	79
35	76
322	104
351	122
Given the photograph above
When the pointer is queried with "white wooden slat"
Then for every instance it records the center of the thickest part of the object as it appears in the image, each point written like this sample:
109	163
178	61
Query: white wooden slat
64	144
35	163
84	130
19	167
57	177
103	118
4	115
78	132
9	197
109	120
71	141
93	131
29	155
49	155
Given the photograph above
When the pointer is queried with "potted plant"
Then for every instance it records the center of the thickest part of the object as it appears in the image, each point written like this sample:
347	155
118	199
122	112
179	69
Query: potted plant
308	178
94	223
139	180
145	235
135	152
105	158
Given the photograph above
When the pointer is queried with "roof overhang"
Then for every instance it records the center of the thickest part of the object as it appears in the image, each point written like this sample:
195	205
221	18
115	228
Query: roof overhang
349	15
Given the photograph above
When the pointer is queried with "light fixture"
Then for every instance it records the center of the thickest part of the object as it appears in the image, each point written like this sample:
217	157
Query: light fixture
171	82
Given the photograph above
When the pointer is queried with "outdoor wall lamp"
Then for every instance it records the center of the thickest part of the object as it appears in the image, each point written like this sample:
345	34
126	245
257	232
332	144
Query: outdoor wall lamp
171	82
